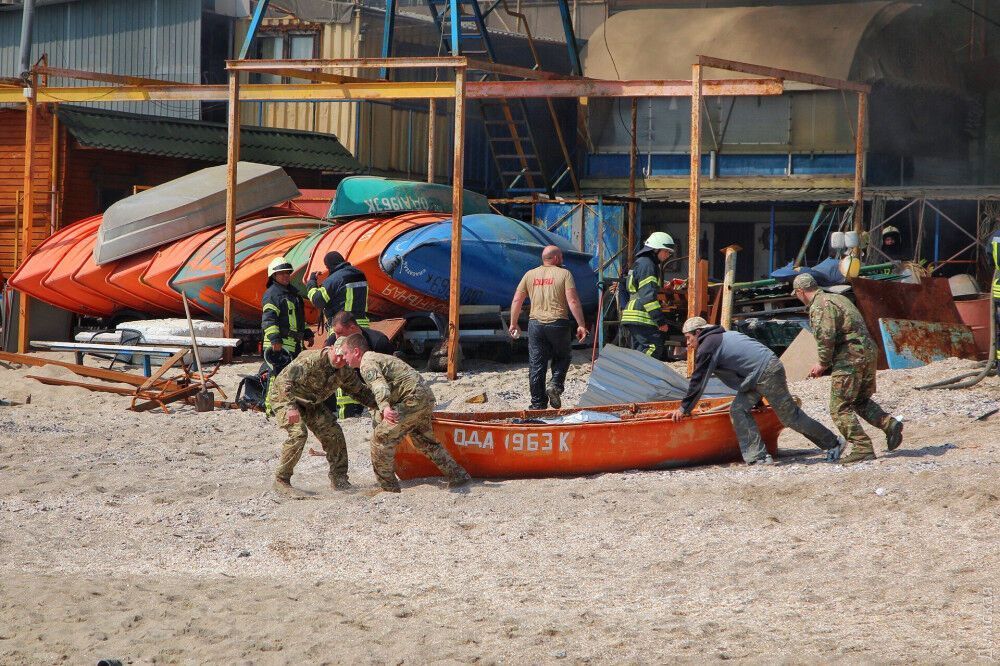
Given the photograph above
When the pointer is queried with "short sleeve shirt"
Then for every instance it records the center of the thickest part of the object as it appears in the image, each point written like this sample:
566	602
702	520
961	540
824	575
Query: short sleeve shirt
546	289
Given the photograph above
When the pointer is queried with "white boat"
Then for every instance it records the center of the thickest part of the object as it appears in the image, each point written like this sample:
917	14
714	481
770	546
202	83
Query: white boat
184	206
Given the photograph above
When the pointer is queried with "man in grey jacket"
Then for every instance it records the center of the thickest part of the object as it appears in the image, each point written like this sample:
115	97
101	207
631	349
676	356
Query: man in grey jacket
753	371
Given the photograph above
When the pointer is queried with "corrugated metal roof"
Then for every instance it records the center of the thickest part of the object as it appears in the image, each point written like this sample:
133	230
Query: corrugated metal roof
622	376
197	140
807	194
160	40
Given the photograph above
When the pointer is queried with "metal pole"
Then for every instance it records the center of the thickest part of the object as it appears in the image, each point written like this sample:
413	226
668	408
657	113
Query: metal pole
28	204
232	159
726	318
859	166
27	26
694	207
633	157
770	245
456	223
431	129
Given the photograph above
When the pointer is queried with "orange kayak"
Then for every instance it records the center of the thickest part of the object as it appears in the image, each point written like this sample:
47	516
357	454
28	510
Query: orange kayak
61	278
125	275
361	242
96	278
31	276
491	445
249	281
167	261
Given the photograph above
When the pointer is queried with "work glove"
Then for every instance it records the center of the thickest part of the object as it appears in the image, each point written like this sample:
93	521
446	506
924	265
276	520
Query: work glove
308	336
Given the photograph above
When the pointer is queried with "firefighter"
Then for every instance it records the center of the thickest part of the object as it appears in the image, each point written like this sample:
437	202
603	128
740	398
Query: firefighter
283	320
642	316
892	244
345	289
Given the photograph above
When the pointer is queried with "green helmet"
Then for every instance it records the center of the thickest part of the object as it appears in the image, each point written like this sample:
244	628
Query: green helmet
660	240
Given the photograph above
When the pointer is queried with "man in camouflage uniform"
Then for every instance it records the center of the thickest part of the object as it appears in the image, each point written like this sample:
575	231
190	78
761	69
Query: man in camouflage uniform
405	405
847	350
296	397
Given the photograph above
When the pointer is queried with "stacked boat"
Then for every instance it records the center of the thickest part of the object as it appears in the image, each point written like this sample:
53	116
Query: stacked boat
149	249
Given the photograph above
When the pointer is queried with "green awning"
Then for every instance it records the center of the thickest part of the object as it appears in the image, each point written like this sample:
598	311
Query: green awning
206	141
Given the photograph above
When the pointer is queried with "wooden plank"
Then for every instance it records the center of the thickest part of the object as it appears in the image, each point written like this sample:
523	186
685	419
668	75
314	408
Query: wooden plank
167	398
390	328
166	365
101	388
102	347
82	370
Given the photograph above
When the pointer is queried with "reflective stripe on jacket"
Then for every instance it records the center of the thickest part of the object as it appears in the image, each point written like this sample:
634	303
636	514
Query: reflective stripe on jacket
346	288
643	285
283	318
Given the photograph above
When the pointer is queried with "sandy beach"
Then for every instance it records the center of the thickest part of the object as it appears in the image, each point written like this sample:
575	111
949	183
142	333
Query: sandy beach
155	538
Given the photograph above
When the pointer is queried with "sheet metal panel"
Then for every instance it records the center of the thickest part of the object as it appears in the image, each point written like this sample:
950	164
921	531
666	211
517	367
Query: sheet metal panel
911	344
151	38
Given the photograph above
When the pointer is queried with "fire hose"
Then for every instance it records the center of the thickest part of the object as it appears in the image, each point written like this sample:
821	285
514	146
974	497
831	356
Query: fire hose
989	368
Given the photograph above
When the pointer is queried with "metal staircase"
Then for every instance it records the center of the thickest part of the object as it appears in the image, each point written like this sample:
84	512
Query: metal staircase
508	129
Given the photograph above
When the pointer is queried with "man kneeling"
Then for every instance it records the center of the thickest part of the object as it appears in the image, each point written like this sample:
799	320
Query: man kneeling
405	405
753	371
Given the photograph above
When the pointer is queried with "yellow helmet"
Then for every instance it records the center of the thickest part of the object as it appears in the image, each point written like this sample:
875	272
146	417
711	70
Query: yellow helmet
278	265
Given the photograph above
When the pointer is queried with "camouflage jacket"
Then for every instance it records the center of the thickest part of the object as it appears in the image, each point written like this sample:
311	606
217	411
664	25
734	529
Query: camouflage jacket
310	379
841	335
392	381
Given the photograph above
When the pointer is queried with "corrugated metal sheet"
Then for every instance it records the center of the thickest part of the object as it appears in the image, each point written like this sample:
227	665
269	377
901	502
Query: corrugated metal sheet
151	38
623	376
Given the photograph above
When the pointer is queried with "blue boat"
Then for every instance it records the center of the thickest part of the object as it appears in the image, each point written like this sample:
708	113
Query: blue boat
496	252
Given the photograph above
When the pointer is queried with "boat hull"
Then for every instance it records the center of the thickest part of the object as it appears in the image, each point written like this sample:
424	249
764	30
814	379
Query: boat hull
362	196
496	253
362	242
31	276
488	446
248	282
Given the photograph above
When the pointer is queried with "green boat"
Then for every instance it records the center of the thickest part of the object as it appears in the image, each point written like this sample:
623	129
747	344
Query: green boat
359	196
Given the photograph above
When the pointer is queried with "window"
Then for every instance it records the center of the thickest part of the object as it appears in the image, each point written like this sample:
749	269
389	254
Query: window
284	46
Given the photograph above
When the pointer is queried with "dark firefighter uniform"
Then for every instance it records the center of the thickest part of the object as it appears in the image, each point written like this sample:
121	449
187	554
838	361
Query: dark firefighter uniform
642	315
283	320
345	289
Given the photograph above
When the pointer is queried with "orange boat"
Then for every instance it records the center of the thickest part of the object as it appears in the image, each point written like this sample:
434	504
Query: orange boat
61	278
31	276
361	242
167	261
491	445
249	281
95	278
125	275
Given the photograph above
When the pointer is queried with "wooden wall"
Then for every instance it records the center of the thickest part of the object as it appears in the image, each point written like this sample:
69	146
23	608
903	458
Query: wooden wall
12	181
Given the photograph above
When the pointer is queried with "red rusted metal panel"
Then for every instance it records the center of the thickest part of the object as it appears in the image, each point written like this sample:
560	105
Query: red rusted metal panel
931	300
911	344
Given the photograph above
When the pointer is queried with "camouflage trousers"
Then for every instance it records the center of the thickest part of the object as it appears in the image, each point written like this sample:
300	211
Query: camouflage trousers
773	385
415	423
323	424
851	389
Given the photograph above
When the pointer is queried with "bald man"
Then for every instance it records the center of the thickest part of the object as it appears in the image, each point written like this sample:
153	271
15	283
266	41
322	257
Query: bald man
553	296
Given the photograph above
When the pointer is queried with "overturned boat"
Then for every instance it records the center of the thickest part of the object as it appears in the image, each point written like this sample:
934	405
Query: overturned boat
186	205
364	196
568	442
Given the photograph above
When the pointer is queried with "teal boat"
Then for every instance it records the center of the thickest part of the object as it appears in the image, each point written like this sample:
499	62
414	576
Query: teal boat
365	196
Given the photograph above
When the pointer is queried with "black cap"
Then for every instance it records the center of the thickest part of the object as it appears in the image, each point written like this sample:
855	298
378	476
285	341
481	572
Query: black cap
332	260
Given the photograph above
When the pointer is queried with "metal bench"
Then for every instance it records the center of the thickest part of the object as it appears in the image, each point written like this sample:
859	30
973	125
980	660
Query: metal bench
102	348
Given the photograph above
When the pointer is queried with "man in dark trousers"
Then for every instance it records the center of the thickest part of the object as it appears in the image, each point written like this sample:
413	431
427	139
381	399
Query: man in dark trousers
345	288
283	320
553	296
753	371
642	317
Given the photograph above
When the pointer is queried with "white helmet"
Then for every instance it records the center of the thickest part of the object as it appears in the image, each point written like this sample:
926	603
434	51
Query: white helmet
278	265
660	240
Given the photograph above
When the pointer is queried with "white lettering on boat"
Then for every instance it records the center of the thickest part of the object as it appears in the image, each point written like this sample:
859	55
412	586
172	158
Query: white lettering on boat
472	438
405	202
539	441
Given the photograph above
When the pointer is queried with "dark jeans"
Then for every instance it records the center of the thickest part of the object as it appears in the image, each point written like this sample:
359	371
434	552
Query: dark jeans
548	343
773	385
646	339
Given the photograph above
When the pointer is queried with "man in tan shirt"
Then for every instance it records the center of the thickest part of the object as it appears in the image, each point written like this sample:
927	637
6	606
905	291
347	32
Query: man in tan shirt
553	296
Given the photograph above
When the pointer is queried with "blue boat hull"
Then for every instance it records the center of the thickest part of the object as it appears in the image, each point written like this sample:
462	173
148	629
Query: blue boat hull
496	252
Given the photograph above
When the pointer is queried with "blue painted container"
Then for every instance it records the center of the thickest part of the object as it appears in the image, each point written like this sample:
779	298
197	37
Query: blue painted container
496	252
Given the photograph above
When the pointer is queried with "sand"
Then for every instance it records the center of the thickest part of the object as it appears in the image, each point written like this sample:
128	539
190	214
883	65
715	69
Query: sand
155	538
